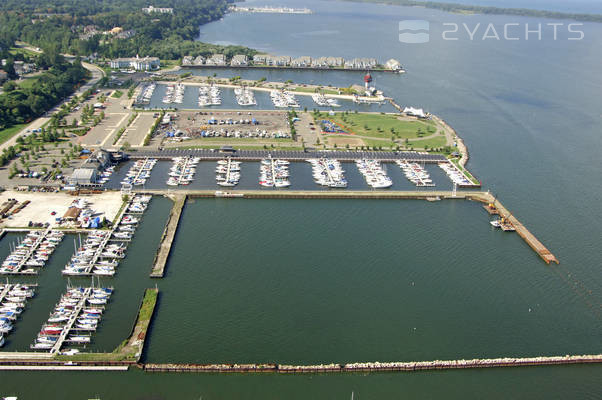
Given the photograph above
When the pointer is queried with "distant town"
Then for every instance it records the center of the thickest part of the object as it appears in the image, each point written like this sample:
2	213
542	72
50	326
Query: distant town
270	10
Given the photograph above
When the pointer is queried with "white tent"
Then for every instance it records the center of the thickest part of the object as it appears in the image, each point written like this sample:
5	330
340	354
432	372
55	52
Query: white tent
417	112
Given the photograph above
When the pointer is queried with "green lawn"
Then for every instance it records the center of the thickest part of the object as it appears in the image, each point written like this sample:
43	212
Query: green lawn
438	141
8	133
117	94
167	64
364	124
313	90
28	83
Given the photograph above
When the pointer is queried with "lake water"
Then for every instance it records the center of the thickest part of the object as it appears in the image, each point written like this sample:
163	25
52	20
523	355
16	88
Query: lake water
302	281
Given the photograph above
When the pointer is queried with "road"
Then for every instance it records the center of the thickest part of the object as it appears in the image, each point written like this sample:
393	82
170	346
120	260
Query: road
97	74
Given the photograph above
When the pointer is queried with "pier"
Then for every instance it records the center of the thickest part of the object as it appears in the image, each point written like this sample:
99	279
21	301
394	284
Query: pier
69	325
379	366
18	270
479	196
169	234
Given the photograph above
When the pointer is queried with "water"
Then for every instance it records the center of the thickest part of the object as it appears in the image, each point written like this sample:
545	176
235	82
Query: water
319	281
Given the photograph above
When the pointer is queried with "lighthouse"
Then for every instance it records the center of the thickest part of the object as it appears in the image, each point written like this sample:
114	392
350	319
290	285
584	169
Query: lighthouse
367	80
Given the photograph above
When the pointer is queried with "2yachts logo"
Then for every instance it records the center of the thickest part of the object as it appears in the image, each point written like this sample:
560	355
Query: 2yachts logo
418	31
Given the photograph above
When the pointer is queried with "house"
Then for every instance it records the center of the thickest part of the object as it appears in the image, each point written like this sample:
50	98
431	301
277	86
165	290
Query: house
319	62
239	60
200	60
278	61
361	63
301	62
72	213
187	60
216	59
260	58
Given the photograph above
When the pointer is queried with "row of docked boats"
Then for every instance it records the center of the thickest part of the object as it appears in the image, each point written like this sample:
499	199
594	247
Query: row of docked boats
415	173
33	251
139	172
13	299
374	173
182	171
174	94
328	172
283	99
456	176
324	101
101	251
227	172
245	96
105	175
274	173
73	319
147	93
209	95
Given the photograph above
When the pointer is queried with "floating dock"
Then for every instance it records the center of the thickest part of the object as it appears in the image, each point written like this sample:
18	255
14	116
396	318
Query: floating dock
169	233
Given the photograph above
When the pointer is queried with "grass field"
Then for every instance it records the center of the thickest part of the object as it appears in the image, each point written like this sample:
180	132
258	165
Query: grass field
313	90
117	94
28	83
8	133
380	125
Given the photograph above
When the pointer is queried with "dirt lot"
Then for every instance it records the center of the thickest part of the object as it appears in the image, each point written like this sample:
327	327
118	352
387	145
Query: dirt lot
106	204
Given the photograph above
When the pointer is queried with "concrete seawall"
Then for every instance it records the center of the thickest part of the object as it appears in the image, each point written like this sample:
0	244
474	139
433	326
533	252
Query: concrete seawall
169	233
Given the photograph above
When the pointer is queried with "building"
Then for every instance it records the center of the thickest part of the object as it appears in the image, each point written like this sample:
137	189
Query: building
72	213
278	61
187	60
361	63
259	58
239	60
83	177
393	65
139	64
151	9
301	62
200	60
216	59
3	76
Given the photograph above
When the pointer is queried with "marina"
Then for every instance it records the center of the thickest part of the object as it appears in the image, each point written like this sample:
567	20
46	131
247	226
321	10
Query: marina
245	97
75	316
209	95
182	171
227	172
415	173
139	172
284	99
13	300
100	252
174	94
328	172
32	252
374	174
274	173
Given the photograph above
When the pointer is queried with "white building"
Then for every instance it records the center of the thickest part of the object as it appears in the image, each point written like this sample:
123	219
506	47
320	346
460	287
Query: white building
216	59
301	62
139	64
151	9
239	60
415	112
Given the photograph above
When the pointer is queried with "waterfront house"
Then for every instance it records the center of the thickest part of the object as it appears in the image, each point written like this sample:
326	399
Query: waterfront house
301	62
187	60
216	59
278	61
259	58
200	60
239	60
361	63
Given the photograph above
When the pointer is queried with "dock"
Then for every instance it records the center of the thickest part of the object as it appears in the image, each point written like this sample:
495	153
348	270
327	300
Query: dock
69	325
523	232
30	252
169	233
478	196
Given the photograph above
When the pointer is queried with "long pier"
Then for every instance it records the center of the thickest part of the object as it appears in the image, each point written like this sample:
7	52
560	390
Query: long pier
69	325
168	236
379	366
431	195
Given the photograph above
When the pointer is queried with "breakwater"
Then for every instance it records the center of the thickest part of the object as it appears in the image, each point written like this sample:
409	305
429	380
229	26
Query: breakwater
168	236
379	366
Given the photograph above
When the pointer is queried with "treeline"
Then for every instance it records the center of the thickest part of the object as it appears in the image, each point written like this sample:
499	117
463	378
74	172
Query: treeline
167	36
526	12
19	105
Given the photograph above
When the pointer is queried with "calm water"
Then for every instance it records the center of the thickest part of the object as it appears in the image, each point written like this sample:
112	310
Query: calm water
320	281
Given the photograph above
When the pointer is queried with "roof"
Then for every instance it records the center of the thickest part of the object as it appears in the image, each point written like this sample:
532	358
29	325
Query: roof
83	174
72	213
